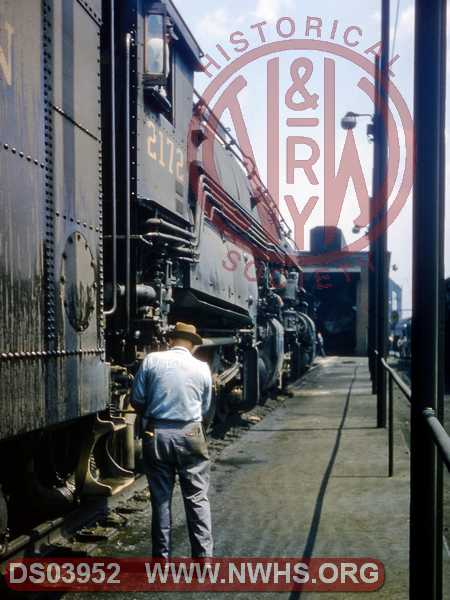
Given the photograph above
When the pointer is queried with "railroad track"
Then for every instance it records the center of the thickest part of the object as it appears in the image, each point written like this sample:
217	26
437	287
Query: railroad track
78	531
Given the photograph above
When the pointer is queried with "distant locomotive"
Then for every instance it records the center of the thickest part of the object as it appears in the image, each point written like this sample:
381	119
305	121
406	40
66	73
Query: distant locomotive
112	228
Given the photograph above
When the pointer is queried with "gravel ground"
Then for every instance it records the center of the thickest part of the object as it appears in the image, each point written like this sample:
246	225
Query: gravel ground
237	425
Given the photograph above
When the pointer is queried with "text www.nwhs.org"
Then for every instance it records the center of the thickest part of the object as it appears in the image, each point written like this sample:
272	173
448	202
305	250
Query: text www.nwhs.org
212	574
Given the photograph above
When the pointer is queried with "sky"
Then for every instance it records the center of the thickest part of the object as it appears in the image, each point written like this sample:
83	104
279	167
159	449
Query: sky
212	22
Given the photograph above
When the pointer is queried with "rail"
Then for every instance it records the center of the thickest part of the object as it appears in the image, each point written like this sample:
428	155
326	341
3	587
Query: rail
438	434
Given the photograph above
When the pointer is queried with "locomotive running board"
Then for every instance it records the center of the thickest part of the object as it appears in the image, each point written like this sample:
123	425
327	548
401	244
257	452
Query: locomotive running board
116	478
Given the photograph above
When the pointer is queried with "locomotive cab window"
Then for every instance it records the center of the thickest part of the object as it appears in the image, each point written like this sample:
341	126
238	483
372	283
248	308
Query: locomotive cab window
157	78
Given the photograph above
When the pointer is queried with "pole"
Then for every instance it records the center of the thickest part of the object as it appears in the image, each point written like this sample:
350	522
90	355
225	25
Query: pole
428	229
373	261
441	318
382	205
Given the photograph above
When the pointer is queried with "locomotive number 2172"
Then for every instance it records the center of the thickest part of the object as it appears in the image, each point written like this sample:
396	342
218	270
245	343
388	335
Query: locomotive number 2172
162	148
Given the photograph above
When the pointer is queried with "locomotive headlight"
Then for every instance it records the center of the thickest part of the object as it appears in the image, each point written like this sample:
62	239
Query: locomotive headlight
156	50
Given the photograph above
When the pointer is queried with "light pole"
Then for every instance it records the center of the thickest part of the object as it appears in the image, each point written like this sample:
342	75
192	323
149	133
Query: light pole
349	121
381	207
378	268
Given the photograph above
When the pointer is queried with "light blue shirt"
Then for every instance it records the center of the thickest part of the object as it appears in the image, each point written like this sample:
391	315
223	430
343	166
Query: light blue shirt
172	385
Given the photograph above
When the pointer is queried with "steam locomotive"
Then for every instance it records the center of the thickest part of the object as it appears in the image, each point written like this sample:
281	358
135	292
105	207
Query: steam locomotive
124	208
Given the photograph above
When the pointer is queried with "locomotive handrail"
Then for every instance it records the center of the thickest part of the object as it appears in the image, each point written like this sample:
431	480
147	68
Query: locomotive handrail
244	160
437	431
128	185
113	308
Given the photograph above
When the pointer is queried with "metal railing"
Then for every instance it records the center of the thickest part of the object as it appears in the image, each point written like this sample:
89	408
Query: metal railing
438	434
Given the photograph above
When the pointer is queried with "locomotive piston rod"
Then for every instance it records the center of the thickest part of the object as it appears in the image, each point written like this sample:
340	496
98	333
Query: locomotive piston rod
220	341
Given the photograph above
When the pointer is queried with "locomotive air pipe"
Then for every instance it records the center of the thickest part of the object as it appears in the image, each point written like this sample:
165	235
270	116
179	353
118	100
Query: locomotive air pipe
239	220
270	240
113	308
188	260
170	226
128	185
246	227
252	235
189	251
166	236
269	248
179	249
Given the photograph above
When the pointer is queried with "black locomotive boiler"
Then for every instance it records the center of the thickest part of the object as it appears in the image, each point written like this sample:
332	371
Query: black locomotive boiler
112	228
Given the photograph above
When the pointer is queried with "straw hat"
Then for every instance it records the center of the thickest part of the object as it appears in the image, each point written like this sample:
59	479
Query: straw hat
186	331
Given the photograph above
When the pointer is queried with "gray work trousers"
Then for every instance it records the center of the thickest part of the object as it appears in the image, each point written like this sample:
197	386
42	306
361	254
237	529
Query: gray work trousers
170	448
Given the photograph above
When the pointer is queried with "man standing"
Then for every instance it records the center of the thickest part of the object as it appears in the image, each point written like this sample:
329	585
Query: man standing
172	393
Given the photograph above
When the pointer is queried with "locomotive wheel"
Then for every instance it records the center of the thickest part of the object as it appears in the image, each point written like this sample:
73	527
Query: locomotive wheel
3	523
50	500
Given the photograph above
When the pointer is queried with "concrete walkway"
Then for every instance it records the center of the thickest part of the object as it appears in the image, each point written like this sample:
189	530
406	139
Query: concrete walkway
311	480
